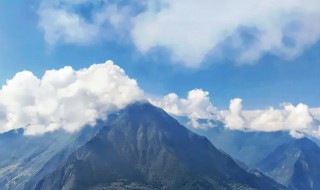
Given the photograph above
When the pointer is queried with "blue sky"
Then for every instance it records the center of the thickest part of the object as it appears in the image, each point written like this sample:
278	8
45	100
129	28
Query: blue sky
268	80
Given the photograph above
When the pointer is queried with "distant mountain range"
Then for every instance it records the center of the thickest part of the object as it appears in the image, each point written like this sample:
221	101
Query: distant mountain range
295	164
276	154
142	147
248	147
22	157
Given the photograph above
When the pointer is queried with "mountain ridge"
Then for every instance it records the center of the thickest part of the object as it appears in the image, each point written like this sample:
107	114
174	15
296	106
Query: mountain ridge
145	146
295	164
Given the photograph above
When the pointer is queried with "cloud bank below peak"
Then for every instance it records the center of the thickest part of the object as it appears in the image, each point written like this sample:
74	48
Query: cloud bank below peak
191	30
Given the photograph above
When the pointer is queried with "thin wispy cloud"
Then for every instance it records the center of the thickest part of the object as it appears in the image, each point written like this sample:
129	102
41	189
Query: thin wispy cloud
190	30
64	22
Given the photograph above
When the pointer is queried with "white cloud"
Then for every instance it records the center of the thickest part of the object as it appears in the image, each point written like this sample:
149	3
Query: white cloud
316	113
235	120
296	134
61	25
196	106
62	22
64	99
68	99
298	119
191	29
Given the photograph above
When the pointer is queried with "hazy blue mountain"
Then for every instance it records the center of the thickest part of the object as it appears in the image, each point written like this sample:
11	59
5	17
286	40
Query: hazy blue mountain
246	146
10	142
295	164
22	158
142	147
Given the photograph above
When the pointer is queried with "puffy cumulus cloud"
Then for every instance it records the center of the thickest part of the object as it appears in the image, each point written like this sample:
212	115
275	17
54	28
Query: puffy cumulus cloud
234	120
196	106
64	99
191	29
298	119
68	99
315	112
82	21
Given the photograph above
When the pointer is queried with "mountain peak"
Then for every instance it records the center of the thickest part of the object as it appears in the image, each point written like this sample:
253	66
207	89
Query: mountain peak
140	103
294	164
303	143
144	145
13	132
139	107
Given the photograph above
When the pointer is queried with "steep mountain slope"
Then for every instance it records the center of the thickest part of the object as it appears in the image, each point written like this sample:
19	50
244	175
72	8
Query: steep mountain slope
10	142
295	164
22	157
142	147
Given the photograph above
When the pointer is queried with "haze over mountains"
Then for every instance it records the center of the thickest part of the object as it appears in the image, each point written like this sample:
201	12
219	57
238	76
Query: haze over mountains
247	146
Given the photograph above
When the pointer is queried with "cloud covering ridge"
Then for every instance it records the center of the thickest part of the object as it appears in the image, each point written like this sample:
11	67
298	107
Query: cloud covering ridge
196	106
68	99
64	99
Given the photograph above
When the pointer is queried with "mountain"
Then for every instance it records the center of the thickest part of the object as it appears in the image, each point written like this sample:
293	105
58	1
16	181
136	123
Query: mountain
248	147
142	147
22	158
295	164
9	142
